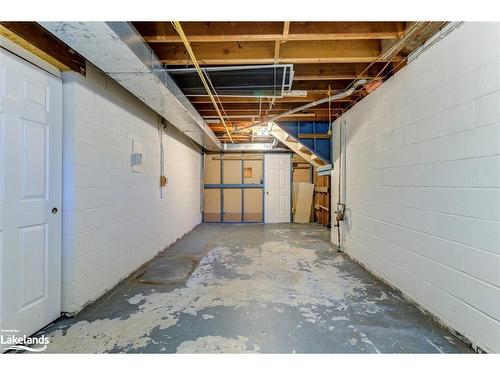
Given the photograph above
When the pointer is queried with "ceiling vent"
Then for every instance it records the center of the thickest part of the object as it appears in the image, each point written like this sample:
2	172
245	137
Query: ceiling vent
271	81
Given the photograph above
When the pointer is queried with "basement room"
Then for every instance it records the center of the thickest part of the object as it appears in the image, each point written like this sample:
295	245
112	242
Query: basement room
250	186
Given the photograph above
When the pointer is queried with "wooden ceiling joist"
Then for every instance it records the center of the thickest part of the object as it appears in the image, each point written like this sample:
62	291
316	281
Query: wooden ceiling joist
339	71
162	32
311	96
276	107
278	42
252	116
292	117
327	58
321	85
252	113
34	38
247	53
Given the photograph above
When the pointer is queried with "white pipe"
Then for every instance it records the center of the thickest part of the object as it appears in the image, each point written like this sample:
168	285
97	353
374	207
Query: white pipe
340	95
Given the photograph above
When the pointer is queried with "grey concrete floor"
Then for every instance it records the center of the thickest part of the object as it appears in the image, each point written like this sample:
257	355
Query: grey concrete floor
227	288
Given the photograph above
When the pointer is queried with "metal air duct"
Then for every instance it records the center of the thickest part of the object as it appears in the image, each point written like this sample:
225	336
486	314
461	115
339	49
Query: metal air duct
119	50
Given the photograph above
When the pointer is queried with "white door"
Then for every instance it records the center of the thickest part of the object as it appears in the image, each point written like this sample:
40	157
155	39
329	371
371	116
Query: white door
277	173
30	196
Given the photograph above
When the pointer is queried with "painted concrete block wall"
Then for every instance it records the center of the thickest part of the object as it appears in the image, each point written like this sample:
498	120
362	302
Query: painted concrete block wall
114	220
422	172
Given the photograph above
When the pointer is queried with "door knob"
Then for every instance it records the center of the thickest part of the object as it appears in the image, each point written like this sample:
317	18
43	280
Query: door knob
54	210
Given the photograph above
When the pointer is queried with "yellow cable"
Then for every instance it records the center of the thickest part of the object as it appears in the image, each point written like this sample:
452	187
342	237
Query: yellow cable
180	31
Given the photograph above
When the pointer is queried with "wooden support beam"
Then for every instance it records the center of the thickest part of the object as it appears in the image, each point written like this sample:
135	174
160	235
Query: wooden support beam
254	113
255	117
278	42
237	157
323	85
294	117
224	53
206	32
162	32
233	53
277	46
297	159
346	30
313	136
279	106
311	96
303	148
339	71
286	30
34	38
330	51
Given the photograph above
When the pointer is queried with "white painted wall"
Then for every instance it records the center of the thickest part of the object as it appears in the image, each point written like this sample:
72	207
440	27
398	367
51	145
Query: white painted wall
113	219
423	182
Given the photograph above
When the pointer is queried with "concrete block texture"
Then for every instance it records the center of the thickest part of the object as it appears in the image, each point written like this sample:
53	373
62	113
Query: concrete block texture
114	220
420	168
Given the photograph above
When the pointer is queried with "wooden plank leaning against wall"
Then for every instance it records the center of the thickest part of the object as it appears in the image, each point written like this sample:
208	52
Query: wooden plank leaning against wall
322	199
304	172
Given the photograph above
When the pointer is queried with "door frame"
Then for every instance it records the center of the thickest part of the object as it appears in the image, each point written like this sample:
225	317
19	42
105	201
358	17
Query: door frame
14	52
290	154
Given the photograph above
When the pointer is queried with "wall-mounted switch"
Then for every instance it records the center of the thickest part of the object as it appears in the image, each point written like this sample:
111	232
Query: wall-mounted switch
136	159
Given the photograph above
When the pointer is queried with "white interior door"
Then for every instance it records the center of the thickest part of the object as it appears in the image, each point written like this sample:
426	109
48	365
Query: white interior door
30	195
277	173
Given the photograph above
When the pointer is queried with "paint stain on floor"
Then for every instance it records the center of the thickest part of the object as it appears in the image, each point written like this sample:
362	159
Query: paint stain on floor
217	344
256	288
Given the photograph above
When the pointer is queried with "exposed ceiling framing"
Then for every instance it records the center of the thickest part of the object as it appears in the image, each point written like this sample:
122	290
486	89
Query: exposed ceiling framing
34	38
327	57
